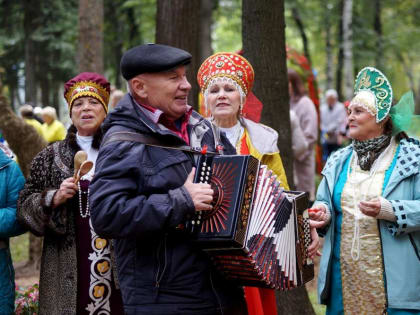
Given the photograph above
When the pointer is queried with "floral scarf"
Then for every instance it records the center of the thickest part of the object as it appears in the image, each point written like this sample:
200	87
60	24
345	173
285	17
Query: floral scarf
369	150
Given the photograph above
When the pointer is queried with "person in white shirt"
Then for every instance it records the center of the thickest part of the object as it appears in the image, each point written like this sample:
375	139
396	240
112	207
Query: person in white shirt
333	123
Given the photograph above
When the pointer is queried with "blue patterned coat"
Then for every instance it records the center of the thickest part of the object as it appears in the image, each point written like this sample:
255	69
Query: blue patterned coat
400	239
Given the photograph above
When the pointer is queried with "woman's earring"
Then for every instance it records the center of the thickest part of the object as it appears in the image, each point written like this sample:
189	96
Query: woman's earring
241	108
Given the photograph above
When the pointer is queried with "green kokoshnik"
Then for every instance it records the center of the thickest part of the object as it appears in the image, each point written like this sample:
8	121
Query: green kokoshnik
373	80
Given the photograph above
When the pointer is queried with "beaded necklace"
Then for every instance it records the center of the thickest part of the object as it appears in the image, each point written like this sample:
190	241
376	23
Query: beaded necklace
355	248
81	192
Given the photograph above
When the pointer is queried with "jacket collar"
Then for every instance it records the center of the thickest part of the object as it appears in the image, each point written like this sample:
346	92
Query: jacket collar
263	138
334	165
407	164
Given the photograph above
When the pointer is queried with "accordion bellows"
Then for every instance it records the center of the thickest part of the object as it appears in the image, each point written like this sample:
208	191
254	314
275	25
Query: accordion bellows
257	234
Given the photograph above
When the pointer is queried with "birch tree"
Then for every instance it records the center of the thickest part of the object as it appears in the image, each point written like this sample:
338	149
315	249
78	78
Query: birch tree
348	48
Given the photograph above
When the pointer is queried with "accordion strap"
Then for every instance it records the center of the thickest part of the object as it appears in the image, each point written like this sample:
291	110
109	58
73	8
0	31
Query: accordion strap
150	141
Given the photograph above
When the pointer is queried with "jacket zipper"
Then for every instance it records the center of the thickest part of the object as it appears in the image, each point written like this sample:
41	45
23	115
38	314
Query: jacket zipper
215	294
4	166
160	277
332	240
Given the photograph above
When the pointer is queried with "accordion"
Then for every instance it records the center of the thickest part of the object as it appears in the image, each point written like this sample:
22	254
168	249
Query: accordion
257	234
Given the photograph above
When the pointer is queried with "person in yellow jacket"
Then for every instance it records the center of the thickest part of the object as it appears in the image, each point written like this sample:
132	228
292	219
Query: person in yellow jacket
225	80
27	113
52	129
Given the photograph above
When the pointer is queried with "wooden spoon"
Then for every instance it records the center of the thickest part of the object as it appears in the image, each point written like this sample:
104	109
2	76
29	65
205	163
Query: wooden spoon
79	158
84	169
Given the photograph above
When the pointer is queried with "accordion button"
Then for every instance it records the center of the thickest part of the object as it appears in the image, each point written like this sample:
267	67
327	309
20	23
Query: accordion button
204	163
202	178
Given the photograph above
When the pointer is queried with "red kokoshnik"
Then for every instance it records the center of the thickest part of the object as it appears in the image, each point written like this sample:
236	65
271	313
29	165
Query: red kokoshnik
224	64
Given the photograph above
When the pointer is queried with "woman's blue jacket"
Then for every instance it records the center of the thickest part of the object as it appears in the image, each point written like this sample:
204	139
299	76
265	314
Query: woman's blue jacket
400	239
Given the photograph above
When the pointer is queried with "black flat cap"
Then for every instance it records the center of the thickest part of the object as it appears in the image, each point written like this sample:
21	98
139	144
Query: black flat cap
152	58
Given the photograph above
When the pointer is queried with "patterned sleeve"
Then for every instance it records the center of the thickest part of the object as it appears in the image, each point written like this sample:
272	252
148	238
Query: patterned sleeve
408	216
35	200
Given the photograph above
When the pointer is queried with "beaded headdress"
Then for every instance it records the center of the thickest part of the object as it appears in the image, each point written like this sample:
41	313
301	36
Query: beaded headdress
372	81
87	84
226	67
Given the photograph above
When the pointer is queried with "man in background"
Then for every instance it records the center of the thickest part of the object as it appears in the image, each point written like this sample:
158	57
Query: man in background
333	123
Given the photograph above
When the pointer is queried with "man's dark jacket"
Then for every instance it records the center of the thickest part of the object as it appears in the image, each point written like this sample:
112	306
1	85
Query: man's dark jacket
137	198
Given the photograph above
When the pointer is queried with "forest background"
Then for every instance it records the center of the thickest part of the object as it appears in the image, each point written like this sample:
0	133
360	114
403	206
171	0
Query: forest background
44	43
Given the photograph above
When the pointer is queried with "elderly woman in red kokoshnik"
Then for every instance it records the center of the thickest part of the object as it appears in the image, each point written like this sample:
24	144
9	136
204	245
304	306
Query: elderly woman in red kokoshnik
225	80
77	275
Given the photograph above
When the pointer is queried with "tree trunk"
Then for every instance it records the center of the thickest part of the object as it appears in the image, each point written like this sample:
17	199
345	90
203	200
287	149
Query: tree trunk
299	23
133	33
31	11
90	46
205	29
44	83
25	142
340	58
348	49
177	25
271	83
377	26
271	87
328	46
115	19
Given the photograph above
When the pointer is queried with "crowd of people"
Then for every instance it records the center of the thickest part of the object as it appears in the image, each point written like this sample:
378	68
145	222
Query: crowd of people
110	194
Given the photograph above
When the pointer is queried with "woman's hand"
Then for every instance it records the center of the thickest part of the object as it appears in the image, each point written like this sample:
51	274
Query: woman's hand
313	248
319	217
370	208
66	191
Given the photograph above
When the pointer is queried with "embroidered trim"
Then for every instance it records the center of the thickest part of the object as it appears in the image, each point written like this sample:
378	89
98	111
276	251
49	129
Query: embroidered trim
87	88
100	277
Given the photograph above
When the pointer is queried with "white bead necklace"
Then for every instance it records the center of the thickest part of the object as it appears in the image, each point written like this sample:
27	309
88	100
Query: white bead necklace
87	212
355	247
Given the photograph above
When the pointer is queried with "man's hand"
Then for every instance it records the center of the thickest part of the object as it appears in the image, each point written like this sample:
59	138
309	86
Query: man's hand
66	191
318	216
201	194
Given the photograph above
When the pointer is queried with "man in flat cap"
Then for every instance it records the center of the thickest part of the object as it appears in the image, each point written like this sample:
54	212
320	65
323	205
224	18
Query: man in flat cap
143	190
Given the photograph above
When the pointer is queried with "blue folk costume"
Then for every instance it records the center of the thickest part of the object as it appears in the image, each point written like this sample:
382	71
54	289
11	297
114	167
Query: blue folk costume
372	265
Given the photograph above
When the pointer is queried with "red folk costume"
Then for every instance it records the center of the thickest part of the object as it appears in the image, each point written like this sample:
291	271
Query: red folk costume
236	70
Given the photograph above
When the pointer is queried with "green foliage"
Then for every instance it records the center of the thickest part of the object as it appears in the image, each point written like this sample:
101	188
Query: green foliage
400	19
54	33
19	248
227	26
132	22
127	23
318	308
